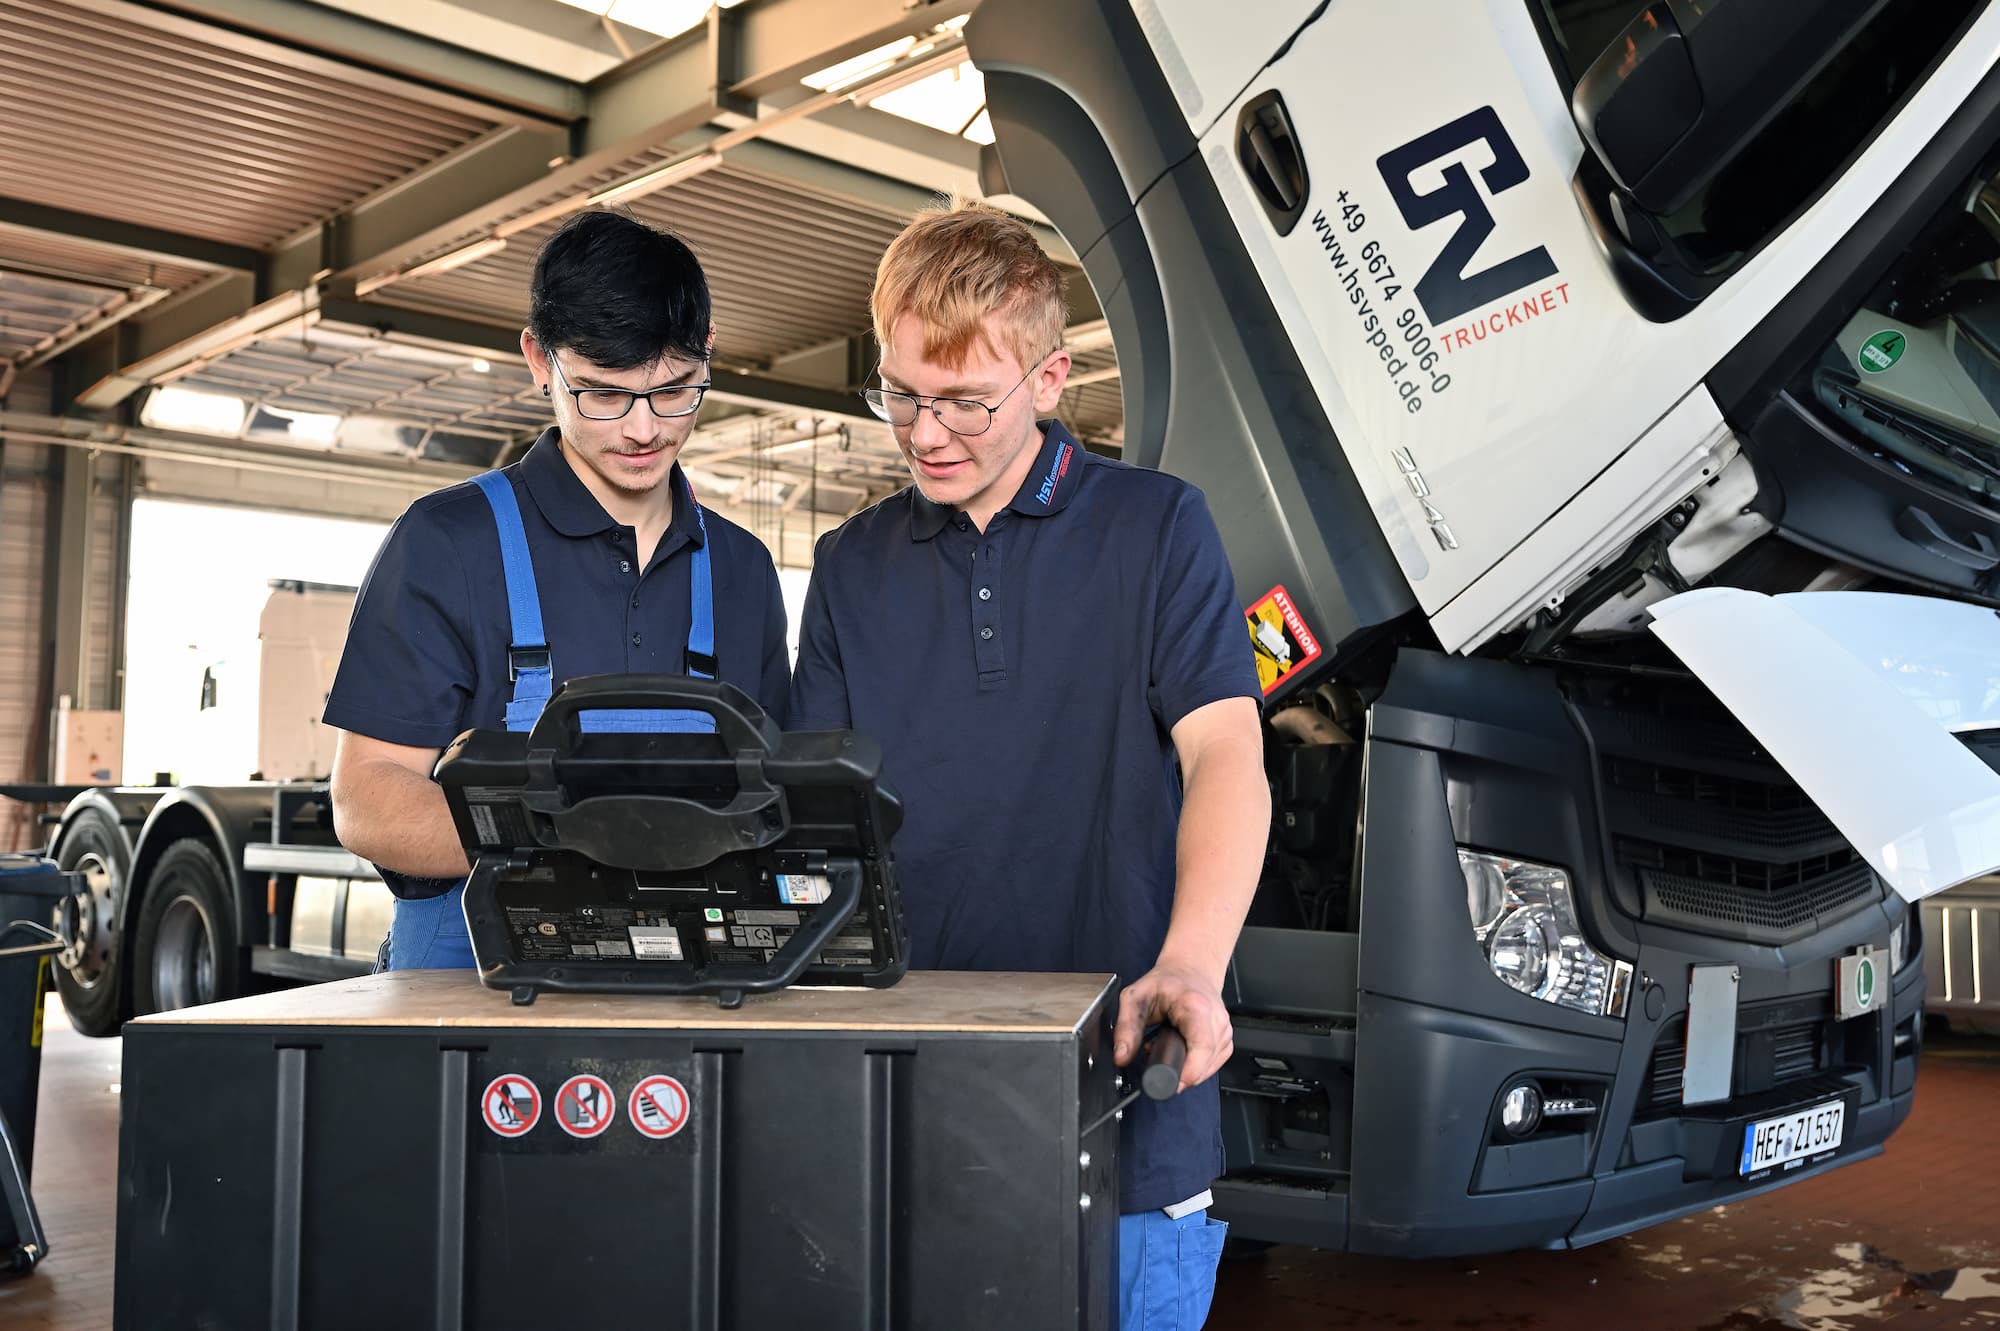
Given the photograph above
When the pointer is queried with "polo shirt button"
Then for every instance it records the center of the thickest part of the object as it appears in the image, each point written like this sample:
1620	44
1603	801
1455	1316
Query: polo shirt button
635	640
985	593
963	524
624	566
986	632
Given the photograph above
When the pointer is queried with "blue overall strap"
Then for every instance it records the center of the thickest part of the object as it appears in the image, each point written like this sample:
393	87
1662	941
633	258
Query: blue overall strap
701	593
700	660
528	662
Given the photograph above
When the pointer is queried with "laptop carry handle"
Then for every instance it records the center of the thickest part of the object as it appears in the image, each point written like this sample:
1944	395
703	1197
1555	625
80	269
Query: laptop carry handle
743	725
644	830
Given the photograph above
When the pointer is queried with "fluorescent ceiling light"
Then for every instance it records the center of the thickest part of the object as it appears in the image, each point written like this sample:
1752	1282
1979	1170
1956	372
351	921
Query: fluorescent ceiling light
658	178
458	258
981	129
948	100
664	18
859	67
172	408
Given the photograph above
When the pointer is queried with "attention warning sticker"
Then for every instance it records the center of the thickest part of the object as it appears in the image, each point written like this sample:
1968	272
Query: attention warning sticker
1280	638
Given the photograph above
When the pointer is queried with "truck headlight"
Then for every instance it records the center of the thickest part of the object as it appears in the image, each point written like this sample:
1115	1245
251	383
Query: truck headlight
1524	915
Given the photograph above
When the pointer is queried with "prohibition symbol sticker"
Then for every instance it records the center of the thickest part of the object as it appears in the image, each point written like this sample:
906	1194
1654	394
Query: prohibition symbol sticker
585	1106
659	1107
511	1104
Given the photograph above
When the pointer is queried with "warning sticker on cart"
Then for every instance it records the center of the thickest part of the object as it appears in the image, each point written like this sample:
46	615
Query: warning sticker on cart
585	1106
659	1107
655	942
511	1105
1278	635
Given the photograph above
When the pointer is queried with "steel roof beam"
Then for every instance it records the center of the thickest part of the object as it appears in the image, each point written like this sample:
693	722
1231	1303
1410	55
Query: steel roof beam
146	242
328	41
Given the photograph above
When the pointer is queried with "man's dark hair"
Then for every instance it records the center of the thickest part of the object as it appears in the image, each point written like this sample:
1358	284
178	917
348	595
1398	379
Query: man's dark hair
618	293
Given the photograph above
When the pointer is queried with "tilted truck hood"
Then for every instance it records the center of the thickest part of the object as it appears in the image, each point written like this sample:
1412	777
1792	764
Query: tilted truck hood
1860	696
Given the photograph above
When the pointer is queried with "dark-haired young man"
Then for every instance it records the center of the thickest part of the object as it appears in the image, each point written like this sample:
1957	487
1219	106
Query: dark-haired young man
589	556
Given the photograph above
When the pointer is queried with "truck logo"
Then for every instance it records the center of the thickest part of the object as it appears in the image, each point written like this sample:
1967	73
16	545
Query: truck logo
1406	463
1446	290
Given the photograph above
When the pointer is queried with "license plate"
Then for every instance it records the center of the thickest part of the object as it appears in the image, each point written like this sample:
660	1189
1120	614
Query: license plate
1796	1136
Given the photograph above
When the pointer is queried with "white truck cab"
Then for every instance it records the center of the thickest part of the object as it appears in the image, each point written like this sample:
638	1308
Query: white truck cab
1610	393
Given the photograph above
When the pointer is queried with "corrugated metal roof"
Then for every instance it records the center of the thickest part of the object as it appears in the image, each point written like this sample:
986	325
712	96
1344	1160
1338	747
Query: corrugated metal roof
453	410
35	312
788	268
117	119
68	258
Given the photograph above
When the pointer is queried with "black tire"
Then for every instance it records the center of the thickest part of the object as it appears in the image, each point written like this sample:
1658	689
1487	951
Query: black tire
94	980
184	950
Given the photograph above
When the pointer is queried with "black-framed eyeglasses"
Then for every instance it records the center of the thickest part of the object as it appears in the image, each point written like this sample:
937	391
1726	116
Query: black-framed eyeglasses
614	404
958	414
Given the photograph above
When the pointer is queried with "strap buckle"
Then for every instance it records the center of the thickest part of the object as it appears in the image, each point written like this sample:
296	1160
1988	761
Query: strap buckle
700	663
521	659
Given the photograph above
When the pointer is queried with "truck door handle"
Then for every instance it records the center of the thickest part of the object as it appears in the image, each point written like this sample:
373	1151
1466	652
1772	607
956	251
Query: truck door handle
1267	148
1922	530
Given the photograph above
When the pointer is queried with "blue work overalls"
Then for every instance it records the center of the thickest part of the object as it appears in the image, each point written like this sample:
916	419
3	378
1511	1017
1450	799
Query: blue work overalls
430	934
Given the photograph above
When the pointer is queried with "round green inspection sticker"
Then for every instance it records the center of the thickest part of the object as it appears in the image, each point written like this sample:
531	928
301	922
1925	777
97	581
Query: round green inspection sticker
1881	351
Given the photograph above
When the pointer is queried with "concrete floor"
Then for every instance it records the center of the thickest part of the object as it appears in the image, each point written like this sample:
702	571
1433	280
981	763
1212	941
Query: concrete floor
1908	1240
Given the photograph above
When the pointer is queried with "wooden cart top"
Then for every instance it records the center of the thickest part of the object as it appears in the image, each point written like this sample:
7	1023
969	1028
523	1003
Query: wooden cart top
985	1001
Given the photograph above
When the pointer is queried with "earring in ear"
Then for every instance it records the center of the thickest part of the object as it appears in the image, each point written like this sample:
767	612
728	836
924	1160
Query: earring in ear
545	390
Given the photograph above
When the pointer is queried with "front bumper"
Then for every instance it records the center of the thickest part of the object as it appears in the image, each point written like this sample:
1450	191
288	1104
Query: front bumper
1430	1176
1413	1161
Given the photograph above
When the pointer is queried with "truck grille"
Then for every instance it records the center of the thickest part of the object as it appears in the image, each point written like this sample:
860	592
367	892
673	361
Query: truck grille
1716	836
1793	1048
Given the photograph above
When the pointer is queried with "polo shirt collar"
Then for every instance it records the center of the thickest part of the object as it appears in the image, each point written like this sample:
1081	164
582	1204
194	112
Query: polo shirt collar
927	519
573	510
1051	482
1054	477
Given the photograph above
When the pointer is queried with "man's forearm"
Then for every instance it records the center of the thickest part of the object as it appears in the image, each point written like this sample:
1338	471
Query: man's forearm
1225	822
397	819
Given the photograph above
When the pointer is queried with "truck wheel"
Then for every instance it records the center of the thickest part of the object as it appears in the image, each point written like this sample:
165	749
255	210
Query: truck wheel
92	977
185	952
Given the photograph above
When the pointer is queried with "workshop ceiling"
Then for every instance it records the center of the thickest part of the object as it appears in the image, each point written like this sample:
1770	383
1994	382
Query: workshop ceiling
315	223
788	267
169	128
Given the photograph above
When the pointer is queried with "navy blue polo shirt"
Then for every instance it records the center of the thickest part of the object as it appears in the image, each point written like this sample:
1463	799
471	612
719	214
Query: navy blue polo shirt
1023	682
426	653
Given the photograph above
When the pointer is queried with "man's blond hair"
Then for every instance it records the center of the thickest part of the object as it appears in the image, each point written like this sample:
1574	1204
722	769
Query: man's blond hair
955	265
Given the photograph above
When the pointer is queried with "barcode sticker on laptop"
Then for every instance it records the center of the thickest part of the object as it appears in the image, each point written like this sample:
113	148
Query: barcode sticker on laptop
655	942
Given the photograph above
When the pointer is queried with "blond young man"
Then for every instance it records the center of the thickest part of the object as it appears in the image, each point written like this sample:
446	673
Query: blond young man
1048	646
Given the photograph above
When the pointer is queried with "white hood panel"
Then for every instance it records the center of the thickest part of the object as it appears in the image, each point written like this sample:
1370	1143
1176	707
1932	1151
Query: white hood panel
1858	695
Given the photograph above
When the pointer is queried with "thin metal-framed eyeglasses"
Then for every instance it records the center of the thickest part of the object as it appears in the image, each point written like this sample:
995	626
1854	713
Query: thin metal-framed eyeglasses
963	416
614	404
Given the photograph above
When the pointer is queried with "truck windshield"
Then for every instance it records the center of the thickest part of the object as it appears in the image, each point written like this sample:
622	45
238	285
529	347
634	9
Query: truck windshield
1914	374
1801	150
